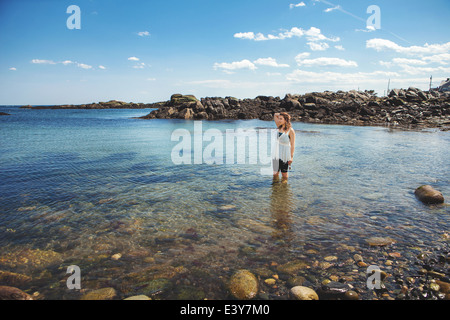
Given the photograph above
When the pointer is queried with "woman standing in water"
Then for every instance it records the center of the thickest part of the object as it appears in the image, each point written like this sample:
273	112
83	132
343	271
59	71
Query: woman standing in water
283	153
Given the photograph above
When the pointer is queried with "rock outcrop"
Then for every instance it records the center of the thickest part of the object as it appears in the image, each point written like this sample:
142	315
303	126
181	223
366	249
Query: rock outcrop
402	108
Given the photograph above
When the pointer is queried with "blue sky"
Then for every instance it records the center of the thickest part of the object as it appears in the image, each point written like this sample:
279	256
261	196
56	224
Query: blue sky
144	51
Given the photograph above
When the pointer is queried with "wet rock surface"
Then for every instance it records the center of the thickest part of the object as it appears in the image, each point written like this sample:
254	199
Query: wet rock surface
427	194
244	285
404	274
12	293
303	293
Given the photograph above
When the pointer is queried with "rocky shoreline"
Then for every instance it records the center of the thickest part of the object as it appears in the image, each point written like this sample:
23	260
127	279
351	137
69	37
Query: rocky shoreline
411	108
402	108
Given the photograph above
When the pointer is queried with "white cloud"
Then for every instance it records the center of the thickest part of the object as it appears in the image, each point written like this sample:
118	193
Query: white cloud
247	64
151	79
243	64
301	4
410	69
65	62
386	64
294	32
133	59
313	34
428	59
140	66
324	62
39	61
102	67
424	71
443	58
340	78
367	29
143	34
13	69
403	61
376	80
318	46
316	40
302	55
383	44
84	66
340	48
245	35
333	8
271	62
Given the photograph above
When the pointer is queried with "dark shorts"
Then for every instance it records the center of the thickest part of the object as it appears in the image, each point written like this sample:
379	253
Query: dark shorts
279	165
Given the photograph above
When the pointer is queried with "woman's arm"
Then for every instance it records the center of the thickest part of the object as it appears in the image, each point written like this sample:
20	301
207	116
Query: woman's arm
275	118
292	136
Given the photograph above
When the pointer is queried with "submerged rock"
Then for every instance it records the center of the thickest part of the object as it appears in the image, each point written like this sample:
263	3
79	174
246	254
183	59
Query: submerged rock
13	279
30	258
427	194
292	267
380	241
12	293
156	286
333	290
100	294
244	285
139	297
303	293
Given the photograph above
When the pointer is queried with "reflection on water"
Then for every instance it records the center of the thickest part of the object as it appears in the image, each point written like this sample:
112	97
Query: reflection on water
83	187
281	208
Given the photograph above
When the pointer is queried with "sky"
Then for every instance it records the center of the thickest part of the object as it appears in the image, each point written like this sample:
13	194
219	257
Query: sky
145	51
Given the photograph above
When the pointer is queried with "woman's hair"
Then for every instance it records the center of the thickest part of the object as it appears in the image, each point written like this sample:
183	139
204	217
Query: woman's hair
287	119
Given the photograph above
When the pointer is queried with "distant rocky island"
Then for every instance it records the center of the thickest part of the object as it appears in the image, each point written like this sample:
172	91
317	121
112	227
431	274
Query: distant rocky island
113	104
404	108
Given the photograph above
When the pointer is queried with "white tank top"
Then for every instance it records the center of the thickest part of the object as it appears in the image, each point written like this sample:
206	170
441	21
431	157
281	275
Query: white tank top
282	147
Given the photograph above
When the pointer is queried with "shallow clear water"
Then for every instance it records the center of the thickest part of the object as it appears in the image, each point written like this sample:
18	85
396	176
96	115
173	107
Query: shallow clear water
87	184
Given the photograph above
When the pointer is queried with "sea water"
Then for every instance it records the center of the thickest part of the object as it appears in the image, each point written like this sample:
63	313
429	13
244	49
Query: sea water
87	185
